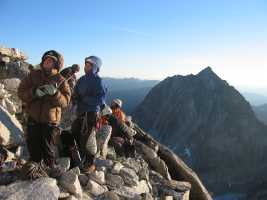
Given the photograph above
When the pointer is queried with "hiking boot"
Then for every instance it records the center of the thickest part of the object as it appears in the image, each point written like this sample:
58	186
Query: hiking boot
45	168
55	172
87	169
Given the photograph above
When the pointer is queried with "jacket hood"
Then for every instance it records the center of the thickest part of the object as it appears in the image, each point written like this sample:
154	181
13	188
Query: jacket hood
56	56
96	63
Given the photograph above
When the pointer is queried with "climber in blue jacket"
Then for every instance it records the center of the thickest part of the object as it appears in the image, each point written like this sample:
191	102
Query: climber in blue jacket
89	93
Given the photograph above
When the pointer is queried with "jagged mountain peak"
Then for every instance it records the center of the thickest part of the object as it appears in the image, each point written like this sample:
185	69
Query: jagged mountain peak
193	94
207	73
210	125
207	70
206	79
210	79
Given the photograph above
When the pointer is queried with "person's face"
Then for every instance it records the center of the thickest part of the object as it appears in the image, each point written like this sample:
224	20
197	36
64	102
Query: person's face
87	67
48	64
113	104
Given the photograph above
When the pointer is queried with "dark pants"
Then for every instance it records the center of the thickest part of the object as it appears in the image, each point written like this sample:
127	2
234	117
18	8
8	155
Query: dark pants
81	134
118	143
129	123
41	141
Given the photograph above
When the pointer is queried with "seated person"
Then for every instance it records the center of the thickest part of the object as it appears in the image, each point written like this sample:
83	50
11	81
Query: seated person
116	110
121	136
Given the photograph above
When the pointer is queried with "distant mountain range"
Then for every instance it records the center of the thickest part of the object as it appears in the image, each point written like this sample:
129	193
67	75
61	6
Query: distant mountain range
255	99
133	90
211	127
123	84
258	104
130	98
130	90
261	112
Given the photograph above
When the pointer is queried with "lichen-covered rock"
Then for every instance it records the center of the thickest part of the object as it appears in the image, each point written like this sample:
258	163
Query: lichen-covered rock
104	163
64	163
11	133
40	189
13	53
63	193
97	176
114	180
70	181
111	195
94	188
129	176
116	168
83	179
178	185
127	193
11	87
14	70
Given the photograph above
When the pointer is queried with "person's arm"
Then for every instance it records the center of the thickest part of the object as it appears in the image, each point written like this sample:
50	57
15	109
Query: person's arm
62	97
123	129
122	115
98	97
26	90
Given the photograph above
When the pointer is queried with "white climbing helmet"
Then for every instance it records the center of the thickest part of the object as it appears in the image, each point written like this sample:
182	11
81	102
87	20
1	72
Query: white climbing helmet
118	101
106	111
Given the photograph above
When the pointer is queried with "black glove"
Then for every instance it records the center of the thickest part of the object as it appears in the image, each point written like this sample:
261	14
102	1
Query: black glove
102	106
76	99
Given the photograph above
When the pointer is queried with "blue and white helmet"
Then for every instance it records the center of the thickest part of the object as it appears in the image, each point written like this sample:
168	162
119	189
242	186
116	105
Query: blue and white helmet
118	102
106	111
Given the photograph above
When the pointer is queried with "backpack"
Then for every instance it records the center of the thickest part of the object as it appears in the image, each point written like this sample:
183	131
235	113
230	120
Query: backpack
99	122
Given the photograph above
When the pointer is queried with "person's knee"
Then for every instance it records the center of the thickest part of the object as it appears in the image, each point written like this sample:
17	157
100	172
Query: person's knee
116	141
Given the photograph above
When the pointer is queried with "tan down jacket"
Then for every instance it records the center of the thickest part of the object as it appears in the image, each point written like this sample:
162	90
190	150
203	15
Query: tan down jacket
46	109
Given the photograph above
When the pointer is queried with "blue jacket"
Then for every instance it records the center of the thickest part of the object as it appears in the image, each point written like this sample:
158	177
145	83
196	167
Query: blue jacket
92	89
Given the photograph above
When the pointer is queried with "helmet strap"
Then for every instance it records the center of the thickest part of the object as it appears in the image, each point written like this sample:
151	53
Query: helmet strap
107	116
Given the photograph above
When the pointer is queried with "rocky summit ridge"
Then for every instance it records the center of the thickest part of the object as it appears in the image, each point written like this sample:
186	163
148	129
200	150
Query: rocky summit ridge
211	127
155	173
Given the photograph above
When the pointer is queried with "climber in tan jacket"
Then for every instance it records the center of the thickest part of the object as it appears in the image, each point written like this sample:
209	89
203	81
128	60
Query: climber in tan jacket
45	92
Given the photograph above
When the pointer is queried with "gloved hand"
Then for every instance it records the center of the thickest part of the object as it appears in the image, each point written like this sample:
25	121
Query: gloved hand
51	89
76	99
40	91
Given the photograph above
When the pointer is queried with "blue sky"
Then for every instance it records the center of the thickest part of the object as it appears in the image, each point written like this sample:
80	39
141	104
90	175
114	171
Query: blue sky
146	39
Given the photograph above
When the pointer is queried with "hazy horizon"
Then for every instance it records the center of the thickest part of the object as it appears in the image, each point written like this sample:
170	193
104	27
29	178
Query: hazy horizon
257	90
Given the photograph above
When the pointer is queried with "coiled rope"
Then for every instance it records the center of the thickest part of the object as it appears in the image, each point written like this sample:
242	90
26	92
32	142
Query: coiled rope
32	170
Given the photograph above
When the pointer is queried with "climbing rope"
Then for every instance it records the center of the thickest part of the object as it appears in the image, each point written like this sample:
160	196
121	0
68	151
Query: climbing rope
32	170
84	129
